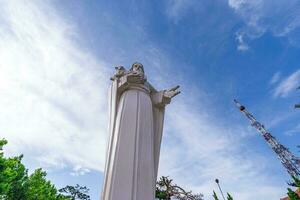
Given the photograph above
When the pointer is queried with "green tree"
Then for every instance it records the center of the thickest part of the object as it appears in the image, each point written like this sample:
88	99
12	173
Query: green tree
76	192
291	194
16	184
2	143
13	176
166	190
38	187
296	181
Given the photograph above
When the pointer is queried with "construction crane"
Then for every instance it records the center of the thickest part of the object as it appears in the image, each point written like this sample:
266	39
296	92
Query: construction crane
287	159
298	105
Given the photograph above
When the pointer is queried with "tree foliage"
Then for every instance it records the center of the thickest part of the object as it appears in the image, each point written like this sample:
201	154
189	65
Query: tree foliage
291	194
17	184
40	188
215	196
13	176
166	190
76	192
229	197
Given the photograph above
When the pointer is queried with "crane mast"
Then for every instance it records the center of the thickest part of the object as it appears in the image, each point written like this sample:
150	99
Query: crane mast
298	105
288	160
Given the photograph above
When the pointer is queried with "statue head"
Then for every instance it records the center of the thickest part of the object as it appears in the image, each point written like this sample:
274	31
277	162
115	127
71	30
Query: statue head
137	67
120	71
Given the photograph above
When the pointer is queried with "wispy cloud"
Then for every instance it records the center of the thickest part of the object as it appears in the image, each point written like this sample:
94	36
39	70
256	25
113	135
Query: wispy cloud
287	85
197	148
278	17
293	131
79	171
177	8
51	90
275	78
242	45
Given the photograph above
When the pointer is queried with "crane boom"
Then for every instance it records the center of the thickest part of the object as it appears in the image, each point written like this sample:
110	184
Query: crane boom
287	159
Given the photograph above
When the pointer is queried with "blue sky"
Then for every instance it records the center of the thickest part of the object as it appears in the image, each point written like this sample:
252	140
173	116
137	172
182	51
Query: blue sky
57	57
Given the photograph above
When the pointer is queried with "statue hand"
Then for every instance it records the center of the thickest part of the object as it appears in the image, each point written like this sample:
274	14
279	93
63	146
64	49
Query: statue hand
162	98
172	92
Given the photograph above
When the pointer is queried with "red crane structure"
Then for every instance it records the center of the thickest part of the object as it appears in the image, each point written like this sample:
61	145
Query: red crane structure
290	162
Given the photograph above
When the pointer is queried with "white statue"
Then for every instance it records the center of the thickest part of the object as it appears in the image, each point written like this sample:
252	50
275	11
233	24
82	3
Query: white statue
135	131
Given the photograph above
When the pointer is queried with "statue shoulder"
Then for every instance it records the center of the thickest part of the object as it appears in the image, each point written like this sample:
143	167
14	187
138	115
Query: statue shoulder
120	71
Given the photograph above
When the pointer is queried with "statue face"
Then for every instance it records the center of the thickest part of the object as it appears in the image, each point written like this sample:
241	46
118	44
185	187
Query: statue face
137	67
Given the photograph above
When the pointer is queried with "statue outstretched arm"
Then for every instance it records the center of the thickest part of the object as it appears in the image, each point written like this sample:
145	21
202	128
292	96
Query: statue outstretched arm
162	98
172	92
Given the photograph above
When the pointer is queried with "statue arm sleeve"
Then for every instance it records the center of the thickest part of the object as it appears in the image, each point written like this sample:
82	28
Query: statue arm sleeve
158	121
159	99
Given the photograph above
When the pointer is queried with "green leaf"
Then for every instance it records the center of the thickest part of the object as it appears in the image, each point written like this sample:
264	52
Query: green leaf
292	195
229	197
215	196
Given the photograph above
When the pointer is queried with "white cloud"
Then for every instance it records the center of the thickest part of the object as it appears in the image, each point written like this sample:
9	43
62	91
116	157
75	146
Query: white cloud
51	91
295	130
281	18
177	8
240	4
275	78
287	85
79	171
250	11
242	45
236	4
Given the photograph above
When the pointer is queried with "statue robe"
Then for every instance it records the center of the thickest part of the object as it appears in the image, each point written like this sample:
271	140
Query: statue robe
136	114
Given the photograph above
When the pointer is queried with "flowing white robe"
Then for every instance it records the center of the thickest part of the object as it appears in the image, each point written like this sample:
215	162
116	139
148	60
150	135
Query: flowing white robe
135	132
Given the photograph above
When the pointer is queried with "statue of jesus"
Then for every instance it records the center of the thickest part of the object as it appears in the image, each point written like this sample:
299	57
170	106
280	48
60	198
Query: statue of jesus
136	115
